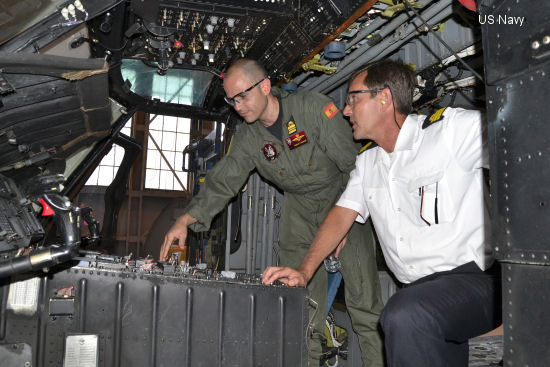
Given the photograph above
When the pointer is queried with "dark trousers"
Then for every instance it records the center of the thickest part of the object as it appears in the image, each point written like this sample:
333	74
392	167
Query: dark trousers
429	322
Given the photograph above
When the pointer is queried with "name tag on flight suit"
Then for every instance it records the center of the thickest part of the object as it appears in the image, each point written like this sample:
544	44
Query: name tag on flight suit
296	140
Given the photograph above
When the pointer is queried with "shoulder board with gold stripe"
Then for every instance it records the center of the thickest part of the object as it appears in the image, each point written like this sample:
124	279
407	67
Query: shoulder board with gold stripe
371	144
435	117
230	144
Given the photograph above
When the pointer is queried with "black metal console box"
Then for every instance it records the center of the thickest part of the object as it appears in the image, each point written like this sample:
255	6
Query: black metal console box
92	316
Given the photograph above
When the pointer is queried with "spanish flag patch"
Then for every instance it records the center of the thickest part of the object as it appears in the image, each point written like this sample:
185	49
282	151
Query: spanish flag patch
330	110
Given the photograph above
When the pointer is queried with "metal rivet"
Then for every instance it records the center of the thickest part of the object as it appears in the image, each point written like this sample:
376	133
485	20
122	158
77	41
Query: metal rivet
535	45
546	40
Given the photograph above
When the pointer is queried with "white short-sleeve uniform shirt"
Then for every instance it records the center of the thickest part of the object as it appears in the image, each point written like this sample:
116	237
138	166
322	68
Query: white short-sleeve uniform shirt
443	160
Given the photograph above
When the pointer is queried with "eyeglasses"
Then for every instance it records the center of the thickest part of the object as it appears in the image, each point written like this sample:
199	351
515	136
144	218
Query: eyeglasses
421	194
237	98
351	101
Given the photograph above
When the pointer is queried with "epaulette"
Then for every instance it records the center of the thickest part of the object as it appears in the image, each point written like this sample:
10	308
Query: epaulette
371	144
435	117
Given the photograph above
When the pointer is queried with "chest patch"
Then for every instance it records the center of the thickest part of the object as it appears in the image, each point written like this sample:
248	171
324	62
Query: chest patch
291	126
296	140
270	152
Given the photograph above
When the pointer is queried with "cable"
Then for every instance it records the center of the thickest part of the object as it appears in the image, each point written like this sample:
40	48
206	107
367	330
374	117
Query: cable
310	326
408	6
107	48
49	30
61	25
393	104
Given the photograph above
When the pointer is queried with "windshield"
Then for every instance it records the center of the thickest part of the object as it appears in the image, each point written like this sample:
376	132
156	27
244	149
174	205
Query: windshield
181	86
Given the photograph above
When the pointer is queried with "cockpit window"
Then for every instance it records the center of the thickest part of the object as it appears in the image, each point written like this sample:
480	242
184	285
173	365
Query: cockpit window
181	86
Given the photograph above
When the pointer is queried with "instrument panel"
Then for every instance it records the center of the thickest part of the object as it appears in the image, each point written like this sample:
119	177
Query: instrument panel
211	34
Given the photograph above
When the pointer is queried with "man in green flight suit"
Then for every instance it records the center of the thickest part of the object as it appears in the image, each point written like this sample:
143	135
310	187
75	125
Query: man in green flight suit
302	144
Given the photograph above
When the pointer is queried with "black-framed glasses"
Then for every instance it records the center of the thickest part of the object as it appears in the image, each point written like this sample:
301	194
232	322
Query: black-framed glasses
237	98
351	101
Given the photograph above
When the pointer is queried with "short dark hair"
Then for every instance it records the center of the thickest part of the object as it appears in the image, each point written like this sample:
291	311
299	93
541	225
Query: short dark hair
396	76
251	68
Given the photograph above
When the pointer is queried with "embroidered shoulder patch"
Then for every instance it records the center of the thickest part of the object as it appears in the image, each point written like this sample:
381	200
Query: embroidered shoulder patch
435	117
331	110
371	144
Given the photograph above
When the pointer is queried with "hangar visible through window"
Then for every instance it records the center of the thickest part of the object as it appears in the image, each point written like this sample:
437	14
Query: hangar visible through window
168	136
104	174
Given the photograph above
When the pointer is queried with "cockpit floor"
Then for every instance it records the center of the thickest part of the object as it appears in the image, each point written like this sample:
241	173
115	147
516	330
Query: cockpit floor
486	351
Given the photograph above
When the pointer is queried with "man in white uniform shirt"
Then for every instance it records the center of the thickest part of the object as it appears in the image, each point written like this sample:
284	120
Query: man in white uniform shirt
421	180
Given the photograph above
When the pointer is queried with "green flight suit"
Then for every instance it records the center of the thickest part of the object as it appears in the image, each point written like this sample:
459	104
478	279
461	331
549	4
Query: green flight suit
312	175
